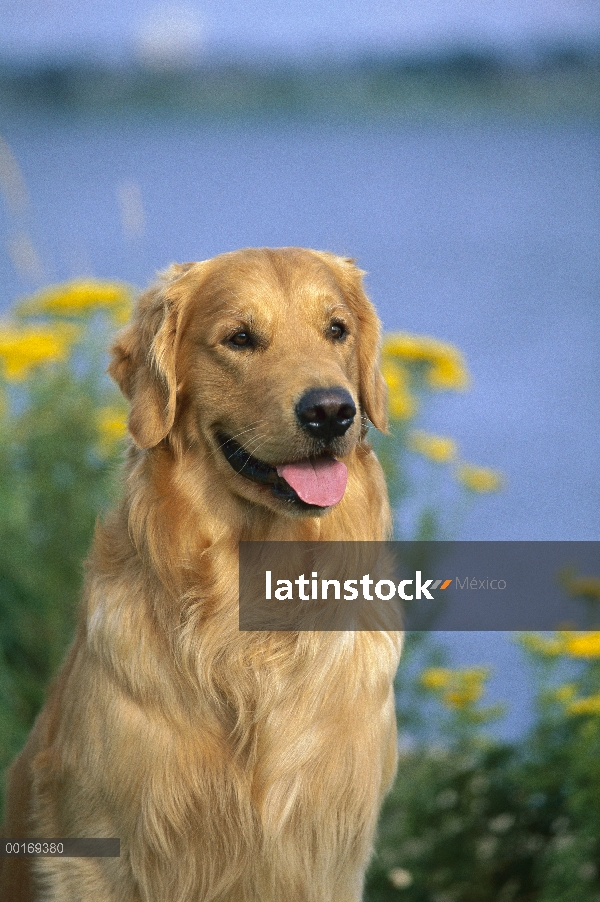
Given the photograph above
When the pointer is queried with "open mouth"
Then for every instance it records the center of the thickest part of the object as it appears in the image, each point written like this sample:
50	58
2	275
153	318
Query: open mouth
312	483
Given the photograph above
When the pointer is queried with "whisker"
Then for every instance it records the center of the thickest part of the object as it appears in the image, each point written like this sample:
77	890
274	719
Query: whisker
249	427
236	435
257	442
255	449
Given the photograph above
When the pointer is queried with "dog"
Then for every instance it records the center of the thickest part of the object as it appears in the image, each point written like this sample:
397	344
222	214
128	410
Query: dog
233	766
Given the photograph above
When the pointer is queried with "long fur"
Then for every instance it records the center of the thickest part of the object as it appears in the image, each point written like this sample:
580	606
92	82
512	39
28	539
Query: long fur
233	766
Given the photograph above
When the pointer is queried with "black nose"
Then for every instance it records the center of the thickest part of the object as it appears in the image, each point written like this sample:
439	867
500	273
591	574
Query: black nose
326	412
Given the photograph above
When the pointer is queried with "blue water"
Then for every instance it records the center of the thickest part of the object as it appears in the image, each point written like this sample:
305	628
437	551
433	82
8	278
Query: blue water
485	235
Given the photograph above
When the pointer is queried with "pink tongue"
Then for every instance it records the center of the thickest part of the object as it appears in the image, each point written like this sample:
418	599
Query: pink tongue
321	482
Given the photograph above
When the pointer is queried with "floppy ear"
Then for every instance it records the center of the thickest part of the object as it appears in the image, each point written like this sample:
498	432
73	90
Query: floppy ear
372	386
374	395
143	366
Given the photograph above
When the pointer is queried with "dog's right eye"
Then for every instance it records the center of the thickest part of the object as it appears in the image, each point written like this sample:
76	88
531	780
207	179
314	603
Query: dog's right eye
240	339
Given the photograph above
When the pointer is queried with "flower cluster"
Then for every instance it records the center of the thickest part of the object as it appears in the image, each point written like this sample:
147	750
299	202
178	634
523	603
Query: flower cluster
413	365
44	333
437	448
112	425
458	689
479	479
80	299
23	348
582	696
440	364
565	642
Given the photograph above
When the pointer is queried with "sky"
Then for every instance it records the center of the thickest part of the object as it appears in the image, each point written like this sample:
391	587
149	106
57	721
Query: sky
116	29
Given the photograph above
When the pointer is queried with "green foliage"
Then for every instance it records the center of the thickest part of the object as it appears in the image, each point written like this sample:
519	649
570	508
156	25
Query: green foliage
53	484
491	822
471	819
57	473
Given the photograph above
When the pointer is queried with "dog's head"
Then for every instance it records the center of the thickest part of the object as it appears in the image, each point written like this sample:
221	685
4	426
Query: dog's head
268	358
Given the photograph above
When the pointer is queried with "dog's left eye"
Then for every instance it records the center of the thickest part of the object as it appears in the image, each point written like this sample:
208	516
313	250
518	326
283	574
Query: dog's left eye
337	331
241	339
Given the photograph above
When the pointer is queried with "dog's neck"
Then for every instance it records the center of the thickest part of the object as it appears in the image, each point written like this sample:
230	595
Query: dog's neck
172	516
178	535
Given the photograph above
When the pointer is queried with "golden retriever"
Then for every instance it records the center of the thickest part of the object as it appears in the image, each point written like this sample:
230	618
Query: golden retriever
233	766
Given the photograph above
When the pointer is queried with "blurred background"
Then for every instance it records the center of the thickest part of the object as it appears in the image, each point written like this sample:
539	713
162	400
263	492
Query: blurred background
452	148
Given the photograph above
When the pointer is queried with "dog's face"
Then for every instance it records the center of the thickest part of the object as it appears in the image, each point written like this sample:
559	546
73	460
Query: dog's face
269	359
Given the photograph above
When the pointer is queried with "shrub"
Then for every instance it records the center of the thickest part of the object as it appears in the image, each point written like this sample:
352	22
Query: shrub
61	422
472	819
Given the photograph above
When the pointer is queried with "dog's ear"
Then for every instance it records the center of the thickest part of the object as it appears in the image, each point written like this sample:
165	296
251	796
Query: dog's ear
374	394
143	366
372	386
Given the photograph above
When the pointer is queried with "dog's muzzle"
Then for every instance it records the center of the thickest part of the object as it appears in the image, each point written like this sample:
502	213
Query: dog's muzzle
312	484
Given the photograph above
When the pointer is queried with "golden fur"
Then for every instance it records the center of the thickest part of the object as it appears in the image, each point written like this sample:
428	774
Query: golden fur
233	766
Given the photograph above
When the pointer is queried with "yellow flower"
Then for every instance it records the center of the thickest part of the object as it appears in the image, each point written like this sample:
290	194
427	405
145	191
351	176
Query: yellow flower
24	347
112	426
540	645
566	693
582	645
436	447
458	688
468	687
589	705
436	677
566	642
402	405
81	298
446	368
461	698
588	586
479	479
